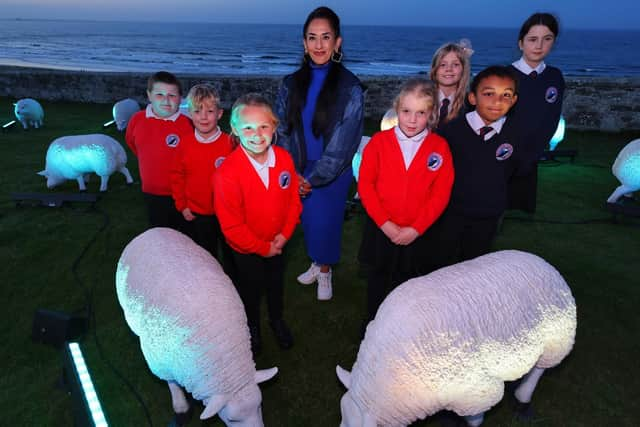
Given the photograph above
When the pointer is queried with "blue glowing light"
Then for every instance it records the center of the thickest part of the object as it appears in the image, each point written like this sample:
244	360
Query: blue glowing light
355	165
90	395
357	158
558	136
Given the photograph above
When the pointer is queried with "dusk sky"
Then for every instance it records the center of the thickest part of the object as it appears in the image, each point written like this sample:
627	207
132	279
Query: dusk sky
587	14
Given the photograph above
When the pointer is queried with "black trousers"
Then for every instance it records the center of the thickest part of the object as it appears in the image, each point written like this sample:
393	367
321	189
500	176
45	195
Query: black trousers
455	238
162	212
380	283
522	191
255	275
205	231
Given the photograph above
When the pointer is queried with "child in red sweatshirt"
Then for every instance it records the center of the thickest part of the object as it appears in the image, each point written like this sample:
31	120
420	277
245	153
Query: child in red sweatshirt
258	206
405	182
153	135
195	162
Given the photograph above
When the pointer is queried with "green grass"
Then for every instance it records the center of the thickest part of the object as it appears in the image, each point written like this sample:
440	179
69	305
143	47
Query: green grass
594	386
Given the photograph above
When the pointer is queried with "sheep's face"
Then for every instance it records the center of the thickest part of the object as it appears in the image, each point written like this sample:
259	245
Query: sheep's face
53	179
244	409
352	415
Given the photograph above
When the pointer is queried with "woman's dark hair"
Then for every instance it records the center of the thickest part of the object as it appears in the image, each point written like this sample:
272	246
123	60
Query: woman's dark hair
302	80
546	19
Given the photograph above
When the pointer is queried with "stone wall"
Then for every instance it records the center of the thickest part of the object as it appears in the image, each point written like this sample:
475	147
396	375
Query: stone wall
602	104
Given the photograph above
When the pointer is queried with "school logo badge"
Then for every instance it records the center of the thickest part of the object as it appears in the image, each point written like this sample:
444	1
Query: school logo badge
284	180
219	161
551	95
504	151
434	162
172	140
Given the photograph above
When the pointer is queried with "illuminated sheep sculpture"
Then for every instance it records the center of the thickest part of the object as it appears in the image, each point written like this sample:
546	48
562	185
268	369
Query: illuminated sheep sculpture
627	169
29	113
75	157
449	340
192	325
123	111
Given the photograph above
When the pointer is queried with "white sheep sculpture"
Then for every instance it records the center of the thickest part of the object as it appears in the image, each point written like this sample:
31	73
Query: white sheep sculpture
75	157
192	326
449	341
29	112
123	111
626	168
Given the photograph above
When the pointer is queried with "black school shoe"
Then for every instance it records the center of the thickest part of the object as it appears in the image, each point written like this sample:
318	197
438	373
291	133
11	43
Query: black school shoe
256	340
282	333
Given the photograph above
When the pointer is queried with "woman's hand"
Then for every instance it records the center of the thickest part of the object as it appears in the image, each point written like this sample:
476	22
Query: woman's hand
304	187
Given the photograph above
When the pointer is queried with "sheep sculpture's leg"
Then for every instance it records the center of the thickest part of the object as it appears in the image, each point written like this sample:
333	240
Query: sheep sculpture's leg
528	385
525	391
617	193
81	184
124	171
474	420
179	403
104	180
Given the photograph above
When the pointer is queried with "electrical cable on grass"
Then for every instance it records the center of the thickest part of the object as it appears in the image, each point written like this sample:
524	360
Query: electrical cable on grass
91	317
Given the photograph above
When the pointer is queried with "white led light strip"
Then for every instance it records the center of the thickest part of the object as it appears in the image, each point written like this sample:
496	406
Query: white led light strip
87	386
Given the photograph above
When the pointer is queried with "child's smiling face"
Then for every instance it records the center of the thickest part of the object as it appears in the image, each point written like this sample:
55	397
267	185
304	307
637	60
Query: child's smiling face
254	127
536	44
449	71
494	97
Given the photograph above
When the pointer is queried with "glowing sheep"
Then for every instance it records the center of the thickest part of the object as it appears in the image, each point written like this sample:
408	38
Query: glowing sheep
192	325
627	169
29	112
450	339
75	157
122	112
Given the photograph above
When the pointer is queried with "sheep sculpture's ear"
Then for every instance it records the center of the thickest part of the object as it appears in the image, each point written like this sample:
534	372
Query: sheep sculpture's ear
42	173
344	376
216	403
265	374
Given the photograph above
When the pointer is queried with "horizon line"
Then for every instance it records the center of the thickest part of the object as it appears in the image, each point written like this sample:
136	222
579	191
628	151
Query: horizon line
156	21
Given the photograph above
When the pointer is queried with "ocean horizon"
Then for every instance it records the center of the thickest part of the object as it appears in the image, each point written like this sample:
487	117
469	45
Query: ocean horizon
276	49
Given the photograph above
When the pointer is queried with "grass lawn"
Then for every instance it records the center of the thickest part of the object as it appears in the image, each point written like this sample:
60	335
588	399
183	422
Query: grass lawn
595	386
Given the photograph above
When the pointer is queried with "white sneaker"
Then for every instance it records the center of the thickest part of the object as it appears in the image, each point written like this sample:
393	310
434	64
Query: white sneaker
324	286
309	276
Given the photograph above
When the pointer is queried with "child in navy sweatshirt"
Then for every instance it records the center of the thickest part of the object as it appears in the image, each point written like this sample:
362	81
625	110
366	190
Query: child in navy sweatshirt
483	143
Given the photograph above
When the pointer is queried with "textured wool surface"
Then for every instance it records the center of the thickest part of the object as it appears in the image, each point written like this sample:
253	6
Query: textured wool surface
187	313
626	168
450	339
70	157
